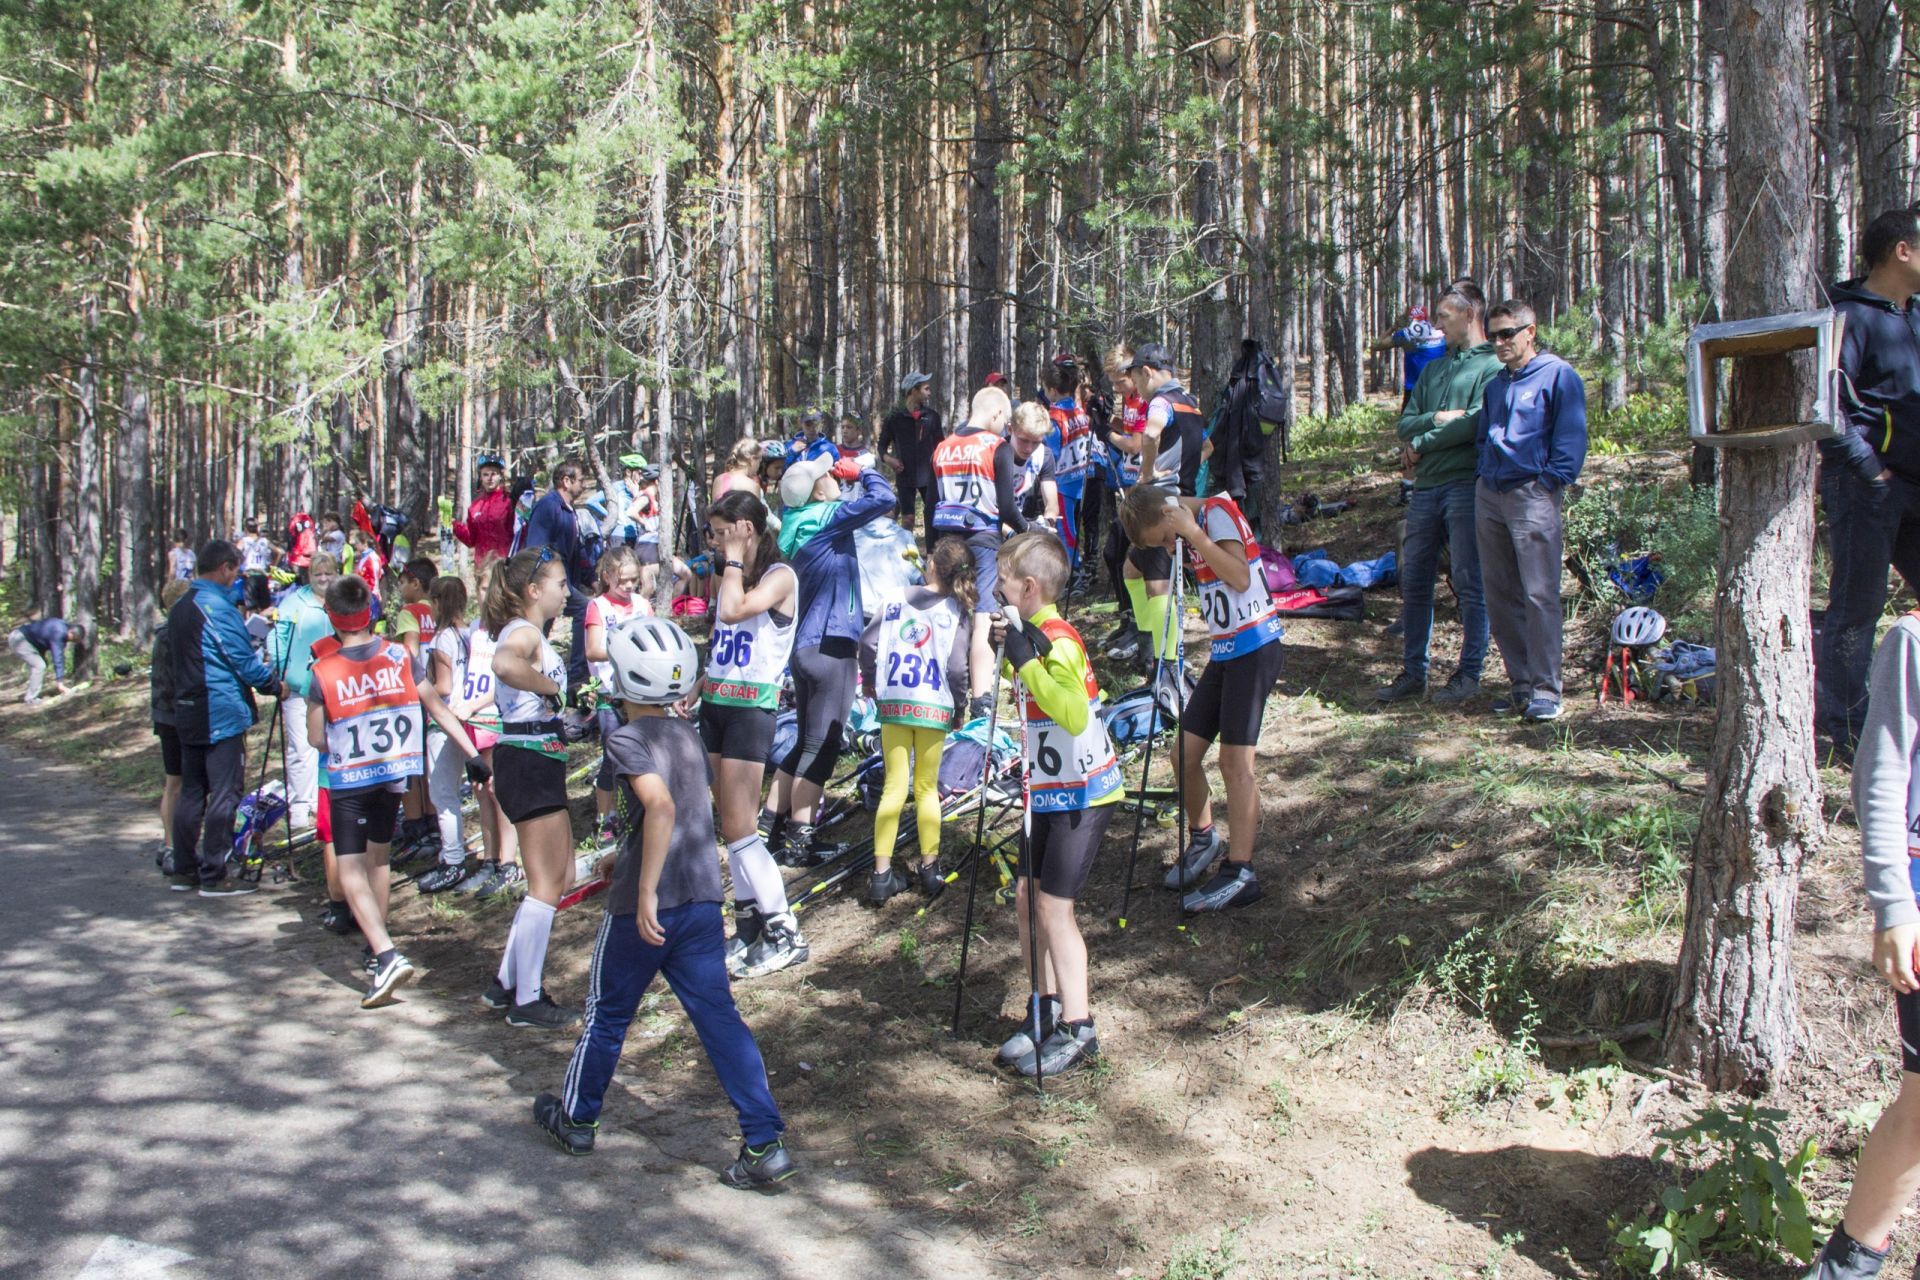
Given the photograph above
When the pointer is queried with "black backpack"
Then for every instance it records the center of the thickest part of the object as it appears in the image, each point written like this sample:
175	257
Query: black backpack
1255	402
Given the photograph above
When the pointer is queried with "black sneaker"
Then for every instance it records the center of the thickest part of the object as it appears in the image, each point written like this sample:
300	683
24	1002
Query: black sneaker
574	1139
747	923
1461	688
932	877
1128	647
1020	1043
1511	704
338	918
1405	685
760	1166
183	881
228	887
496	996
1068	1046
388	978
425	849
1234	886
162	855
882	885
780	947
440	879
542	1014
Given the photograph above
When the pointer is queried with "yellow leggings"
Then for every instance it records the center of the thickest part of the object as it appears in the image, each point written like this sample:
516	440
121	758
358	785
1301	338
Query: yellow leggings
897	743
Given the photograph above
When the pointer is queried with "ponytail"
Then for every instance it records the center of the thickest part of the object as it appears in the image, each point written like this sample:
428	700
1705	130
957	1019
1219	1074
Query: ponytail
448	595
510	586
952	562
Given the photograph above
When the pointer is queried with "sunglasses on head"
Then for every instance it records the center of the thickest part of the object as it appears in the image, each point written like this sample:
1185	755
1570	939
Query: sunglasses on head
1507	335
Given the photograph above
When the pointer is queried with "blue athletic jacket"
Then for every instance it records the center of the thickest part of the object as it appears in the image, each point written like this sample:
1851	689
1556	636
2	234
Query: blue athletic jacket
827	566
1533	425
215	669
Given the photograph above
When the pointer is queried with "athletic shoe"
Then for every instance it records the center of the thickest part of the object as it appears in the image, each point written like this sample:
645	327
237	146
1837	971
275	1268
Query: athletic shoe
1234	886
1128	647
440	878
228	887
1194	860
1405	685
183	881
760	1166
542	1014
367	961
480	880
388	978
338	918
747	923
1398	627
511	880
1541	709
779	946
574	1139
496	996
1456	690
1020	1043
882	885
163	854
1844	1258
933	878
1064	1049
1512	704
422	849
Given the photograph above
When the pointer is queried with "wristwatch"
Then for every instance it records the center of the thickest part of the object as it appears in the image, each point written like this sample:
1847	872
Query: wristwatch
734	564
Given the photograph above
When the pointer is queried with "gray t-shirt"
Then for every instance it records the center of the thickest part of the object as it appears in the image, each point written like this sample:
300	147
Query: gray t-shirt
671	749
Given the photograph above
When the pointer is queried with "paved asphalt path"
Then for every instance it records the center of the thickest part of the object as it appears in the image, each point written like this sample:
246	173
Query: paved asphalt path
187	1088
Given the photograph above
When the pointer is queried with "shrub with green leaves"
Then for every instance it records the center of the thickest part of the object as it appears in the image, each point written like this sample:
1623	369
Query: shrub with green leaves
1610	521
1745	1198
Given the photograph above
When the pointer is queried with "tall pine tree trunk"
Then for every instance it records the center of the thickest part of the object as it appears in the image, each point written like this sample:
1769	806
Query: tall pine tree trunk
1733	1020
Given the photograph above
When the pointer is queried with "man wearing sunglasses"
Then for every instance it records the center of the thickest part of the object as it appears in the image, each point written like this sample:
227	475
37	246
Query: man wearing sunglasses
1532	439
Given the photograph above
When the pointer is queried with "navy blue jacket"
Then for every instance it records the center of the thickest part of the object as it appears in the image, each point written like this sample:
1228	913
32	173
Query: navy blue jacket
552	523
1880	356
215	669
1533	425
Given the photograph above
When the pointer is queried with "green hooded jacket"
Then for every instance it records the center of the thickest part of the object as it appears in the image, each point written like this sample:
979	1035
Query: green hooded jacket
1455	381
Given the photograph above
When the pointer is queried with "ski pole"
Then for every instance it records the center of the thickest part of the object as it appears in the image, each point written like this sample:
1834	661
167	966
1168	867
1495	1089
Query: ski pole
1033	904
1177	621
979	837
1140	807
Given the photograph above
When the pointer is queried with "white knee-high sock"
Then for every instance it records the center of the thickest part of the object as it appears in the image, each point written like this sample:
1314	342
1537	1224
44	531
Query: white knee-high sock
505	973
756	871
532	925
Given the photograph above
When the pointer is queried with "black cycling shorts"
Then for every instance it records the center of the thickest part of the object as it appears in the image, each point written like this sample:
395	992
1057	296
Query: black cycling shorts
528	784
1907	1008
823	682
362	818
737	733
1231	698
1064	847
1154	563
169	748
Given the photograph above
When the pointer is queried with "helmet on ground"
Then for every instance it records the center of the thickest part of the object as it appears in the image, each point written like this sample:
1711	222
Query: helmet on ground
654	663
1638	627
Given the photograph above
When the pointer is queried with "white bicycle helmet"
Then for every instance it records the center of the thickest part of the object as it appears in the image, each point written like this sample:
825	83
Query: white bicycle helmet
1638	627
654	663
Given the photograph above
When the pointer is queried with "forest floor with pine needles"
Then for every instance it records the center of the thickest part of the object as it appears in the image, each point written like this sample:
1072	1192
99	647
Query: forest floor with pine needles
1430	1051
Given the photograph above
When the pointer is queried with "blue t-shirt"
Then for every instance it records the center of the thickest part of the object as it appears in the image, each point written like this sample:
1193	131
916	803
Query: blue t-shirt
1422	344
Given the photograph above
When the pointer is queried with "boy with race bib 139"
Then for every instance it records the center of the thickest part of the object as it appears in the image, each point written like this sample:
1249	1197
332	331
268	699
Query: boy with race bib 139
367	715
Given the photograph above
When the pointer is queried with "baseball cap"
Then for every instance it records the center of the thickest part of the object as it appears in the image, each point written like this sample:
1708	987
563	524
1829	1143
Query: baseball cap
996	379
912	380
796	483
1152	355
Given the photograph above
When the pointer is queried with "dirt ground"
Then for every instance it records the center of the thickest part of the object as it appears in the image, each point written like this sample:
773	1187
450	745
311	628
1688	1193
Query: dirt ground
1393	1066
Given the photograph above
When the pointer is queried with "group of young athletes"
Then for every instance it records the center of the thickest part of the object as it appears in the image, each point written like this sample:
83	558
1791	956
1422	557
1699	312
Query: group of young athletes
397	712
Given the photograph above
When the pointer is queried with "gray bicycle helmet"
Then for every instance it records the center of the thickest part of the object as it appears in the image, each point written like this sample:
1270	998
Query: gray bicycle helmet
1638	627
654	663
